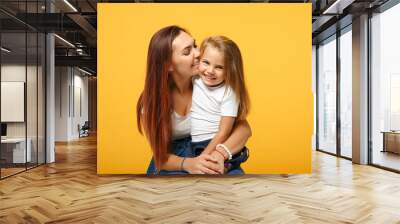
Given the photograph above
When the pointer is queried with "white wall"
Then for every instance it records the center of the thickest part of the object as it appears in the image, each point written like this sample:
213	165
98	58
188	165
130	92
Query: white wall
62	78
14	73
71	87
80	83
314	91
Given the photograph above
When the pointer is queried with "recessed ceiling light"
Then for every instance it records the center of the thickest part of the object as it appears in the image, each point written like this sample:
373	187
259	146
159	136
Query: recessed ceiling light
5	50
84	71
64	40
338	6
71	6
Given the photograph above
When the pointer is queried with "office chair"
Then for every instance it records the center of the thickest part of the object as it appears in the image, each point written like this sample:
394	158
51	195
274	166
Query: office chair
84	130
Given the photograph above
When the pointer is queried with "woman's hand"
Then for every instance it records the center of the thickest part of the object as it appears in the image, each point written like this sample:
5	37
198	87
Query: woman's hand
203	164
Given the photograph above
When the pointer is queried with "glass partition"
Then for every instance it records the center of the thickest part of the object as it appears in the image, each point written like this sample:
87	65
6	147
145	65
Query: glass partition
14	153
22	77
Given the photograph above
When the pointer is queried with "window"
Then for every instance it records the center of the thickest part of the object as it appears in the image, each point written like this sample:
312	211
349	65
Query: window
385	88
327	95
346	93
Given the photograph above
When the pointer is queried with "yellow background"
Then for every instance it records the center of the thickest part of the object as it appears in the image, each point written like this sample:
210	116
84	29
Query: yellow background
275	41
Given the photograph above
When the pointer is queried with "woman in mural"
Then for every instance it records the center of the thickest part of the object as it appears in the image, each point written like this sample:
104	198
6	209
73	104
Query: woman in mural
163	111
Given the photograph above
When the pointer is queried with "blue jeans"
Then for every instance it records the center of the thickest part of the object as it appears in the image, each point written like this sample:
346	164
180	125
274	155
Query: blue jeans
185	148
180	147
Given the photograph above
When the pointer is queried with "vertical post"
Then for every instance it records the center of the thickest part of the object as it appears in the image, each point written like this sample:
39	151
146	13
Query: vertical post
0	100
360	90
50	92
317	97
338	81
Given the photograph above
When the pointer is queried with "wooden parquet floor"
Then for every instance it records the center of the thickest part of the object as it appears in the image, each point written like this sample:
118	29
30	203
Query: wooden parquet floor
70	191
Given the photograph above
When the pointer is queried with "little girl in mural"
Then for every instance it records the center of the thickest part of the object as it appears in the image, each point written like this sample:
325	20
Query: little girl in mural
219	99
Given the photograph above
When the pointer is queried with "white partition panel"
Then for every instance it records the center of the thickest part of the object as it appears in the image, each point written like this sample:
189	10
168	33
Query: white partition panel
12	101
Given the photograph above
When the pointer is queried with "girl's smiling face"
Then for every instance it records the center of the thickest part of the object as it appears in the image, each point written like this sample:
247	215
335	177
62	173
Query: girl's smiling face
211	67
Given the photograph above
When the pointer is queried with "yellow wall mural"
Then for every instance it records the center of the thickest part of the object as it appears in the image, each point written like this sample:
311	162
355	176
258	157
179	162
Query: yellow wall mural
275	41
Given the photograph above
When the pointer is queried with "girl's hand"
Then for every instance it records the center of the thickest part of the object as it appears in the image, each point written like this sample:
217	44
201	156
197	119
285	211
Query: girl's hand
221	161
202	164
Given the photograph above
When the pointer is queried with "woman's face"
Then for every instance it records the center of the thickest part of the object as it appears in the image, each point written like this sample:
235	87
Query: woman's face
185	56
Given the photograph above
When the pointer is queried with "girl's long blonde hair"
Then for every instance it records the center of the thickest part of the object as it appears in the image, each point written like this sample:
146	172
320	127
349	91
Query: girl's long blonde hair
234	72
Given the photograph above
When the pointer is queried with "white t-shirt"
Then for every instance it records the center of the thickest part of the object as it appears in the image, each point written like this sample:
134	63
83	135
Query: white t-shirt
209	104
180	126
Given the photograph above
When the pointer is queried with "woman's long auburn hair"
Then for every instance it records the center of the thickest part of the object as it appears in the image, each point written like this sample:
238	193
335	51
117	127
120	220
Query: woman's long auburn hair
234	71
154	106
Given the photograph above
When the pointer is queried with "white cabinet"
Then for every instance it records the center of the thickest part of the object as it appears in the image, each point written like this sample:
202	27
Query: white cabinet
17	147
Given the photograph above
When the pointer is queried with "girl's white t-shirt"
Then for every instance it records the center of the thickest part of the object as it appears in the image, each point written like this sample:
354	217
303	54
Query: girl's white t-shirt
209	104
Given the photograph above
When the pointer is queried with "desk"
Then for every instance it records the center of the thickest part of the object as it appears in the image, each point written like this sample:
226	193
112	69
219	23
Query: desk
16	148
391	141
